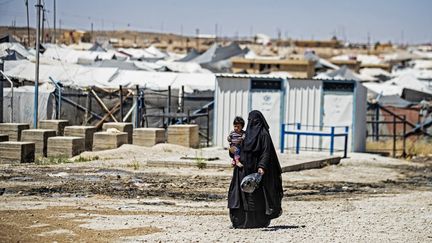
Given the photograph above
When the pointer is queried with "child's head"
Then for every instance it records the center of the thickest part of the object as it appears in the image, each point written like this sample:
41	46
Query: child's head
238	124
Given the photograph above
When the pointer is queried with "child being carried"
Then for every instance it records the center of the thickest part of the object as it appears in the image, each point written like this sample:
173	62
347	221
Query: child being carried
235	139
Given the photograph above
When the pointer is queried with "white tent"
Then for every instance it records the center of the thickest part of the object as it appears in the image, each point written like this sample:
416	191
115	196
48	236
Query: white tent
4	47
364	59
161	80
69	55
83	76
396	85
148	53
70	74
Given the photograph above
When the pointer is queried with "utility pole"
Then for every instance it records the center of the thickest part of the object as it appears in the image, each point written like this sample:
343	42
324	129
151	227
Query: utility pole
36	91
14	26
216	32
54	34
197	39
43	26
28	24
91	28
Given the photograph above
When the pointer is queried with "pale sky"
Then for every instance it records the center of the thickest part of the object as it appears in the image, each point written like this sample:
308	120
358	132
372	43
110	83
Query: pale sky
408	21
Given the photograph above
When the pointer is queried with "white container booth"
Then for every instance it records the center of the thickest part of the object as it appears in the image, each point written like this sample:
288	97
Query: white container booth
315	104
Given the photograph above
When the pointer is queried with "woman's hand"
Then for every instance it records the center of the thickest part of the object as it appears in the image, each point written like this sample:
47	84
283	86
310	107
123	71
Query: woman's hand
261	171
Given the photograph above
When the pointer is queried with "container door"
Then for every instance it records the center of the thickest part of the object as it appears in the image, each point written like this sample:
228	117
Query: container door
266	97
338	111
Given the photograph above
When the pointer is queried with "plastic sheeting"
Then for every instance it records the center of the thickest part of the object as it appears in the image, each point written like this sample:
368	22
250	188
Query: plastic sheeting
23	100
342	73
73	56
161	80
395	86
148	53
77	76
7	48
69	75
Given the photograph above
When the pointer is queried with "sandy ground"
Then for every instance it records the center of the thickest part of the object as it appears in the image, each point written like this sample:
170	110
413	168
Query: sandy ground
117	198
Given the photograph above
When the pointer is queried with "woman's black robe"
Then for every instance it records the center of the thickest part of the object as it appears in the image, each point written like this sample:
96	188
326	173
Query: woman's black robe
254	210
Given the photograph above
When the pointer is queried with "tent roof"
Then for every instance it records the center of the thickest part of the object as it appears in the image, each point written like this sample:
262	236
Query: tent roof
396	85
394	100
83	76
6	48
7	38
97	47
70	74
342	73
217	53
73	56
191	55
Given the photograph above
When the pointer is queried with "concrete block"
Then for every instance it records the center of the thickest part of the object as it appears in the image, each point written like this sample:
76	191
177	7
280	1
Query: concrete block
65	146
85	132
185	135
4	138
148	136
17	152
109	140
122	127
13	130
40	138
57	125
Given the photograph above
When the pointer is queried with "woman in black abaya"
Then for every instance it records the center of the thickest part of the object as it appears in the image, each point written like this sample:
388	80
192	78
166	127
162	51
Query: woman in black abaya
256	209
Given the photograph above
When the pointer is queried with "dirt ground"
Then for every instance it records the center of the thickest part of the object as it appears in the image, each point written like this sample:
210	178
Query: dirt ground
118	198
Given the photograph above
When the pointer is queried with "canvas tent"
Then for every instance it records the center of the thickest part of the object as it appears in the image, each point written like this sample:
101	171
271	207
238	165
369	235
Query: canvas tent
216	58
79	76
342	73
396	85
7	38
190	55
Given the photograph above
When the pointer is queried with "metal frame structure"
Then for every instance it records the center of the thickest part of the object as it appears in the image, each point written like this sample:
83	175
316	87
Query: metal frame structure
298	132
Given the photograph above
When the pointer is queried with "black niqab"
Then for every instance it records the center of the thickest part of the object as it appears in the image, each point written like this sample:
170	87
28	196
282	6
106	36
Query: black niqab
251	210
256	124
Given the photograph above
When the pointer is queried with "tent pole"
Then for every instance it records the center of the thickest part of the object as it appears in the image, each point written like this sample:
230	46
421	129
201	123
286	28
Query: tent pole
36	88
28	24
102	104
112	111
144	108
137	98
12	95
182	98
1	91
121	104
169	104
54	34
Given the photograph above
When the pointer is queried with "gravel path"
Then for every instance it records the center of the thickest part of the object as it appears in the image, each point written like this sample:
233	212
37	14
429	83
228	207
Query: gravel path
366	198
405	217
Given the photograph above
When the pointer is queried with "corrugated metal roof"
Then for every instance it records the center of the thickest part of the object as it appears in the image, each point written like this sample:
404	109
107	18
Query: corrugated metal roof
240	75
269	76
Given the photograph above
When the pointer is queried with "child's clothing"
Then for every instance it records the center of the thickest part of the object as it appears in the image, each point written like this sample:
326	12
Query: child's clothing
235	139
